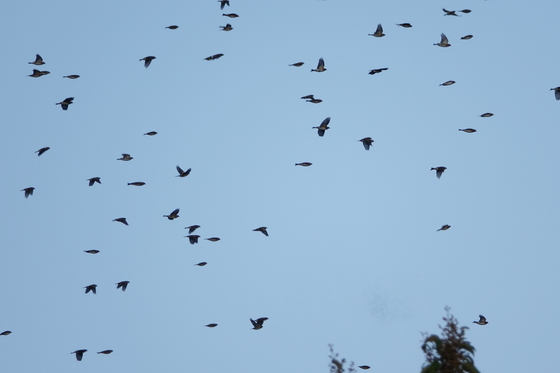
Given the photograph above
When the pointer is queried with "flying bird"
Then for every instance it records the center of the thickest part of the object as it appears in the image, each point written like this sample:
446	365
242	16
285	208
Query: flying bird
214	57
377	71
91	251
320	66
183	173
193	238
37	73
439	170
467	37
151	133
304	164
227	27
28	191
147	60
308	97
297	64
42	150
7	332
323	127
105	352
122	285
192	228
174	215
230	15
262	230
444	227
258	323
136	183
468	130
71	76
91	288
450	12
121	220
94	180
314	100
64	104
465	11
213	239
79	354
213	325
487	115
556	92
365	367
449	82
444	41
173	27
378	32
367	142
201	264
223	3
481	321
38	61
405	25
125	157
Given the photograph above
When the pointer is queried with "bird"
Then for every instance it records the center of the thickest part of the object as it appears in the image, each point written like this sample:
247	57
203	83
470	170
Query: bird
258	323
173	27
38	61
378	32
64	104
94	180
147	60
125	157
71	76
192	228
320	66
308	97
213	325
486	115
122	285
227	27
444	41
323	127
314	100
365	367
297	64
481	321
367	142
465	11
223	3
467	37
213	239
136	183
405	25
174	215
214	57
28	191
91	288
262	230
439	170
79	354
37	73
201	264
444	227
450	13
93	251
556	92
230	15
151	133
183	173
377	71
121	220
304	164
193	238
468	130
42	150
105	352
449	82
7	332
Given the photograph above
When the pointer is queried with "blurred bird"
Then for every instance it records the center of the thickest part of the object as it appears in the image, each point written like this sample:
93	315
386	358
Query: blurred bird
38	61
28	191
467	37
231	15
405	25
183	173
481	321
71	76
450	13
173	27
201	264
323	127
64	104
304	164
556	92
444	41
223	3
468	130
439	170
320	66
211	325
122	285
378	32
7	332
465	11
365	367
91	288
444	227
105	352
367	142
227	27
125	157
377	71
308	97
193	238
79	354
94	180
91	251
297	64
121	220
42	150
258	323
213	239
192	228
151	133
449	82
487	115
37	73
174	215
147	60
136	183
314	100
214	57
262	230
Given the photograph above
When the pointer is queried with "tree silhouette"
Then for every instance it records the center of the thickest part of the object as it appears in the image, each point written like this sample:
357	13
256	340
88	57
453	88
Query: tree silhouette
336	365
450	353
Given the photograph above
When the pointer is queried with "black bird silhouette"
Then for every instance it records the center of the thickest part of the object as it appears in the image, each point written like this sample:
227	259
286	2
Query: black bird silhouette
91	251
79	354
94	180
449	82
213	325
481	321
147	60
192	228
367	142
136	183
7	332
450	12
258	323
193	238
444	227
439	170
467	37
304	164
28	191
214	57
323	127
125	157
378	32
223	3
71	76
64	104
377	71
174	215
262	230
297	64
183	173
201	264
105	352
444	41
487	115
42	150
468	130
151	133
227	27
91	288
121	220
405	25
122	285
556	92
230	15
465	11
38	61
213	239
37	73
320	66
173	27
365	367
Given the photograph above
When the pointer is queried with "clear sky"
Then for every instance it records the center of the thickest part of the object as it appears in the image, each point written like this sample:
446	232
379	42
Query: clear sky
353	256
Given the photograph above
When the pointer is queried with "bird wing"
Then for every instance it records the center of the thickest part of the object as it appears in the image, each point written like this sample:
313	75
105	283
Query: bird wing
557	94
321	64
379	29
174	212
180	170
325	122
444	39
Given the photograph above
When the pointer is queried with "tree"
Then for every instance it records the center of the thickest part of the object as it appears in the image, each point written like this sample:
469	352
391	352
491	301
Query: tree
450	353
336	365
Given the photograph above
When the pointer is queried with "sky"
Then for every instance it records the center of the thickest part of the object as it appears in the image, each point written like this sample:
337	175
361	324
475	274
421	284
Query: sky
353	258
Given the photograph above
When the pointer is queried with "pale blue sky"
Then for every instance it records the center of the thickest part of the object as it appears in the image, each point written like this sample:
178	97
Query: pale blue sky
353	257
